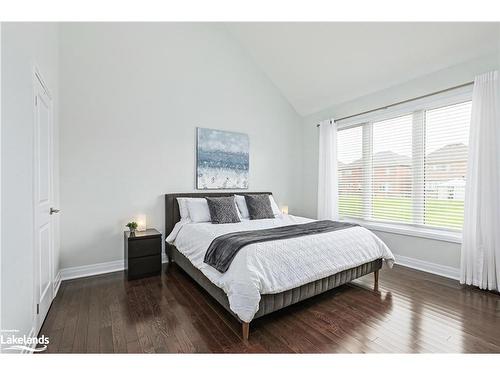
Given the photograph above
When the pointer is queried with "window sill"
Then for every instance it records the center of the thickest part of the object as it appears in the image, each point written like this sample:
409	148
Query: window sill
407	230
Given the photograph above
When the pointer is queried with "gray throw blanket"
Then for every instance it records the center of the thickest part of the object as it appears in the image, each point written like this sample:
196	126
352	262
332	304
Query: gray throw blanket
224	248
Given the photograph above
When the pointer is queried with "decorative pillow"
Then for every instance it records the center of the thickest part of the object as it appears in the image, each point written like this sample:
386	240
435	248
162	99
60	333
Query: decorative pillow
198	210
242	206
223	210
259	206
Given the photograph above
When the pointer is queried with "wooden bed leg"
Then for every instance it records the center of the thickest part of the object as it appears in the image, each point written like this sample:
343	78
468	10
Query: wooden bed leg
245	329
169	254
375	281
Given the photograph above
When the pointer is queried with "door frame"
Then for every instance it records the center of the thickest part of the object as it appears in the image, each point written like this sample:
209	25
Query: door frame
39	83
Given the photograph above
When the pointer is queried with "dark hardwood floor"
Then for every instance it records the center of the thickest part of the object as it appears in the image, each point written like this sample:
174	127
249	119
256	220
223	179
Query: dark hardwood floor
412	312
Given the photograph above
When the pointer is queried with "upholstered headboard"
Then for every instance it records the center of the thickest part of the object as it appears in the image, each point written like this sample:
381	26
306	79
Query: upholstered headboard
172	215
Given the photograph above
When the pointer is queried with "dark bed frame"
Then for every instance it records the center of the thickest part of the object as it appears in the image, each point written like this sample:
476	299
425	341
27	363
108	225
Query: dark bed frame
269	302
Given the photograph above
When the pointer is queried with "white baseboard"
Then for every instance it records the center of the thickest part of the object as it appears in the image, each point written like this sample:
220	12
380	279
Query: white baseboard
422	265
95	269
91	270
57	283
117	265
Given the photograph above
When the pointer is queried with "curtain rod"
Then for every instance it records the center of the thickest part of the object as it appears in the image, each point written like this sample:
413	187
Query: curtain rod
405	101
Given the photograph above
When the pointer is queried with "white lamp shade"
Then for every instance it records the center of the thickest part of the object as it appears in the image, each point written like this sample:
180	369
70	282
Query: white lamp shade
141	223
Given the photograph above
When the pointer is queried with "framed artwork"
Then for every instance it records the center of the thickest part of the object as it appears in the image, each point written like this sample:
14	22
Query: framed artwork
222	159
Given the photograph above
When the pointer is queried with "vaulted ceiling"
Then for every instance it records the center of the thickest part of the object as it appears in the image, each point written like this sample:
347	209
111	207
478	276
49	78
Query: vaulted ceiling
317	65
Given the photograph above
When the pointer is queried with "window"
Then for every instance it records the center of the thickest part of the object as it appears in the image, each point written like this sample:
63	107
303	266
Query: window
446	141
350	172
391	169
407	166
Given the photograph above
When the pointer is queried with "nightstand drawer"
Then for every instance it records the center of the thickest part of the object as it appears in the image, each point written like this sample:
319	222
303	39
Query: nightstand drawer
138	267
144	247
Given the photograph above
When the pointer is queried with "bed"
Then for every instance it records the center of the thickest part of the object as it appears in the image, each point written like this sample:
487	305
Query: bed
254	286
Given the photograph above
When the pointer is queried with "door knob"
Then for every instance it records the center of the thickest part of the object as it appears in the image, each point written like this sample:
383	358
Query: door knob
53	210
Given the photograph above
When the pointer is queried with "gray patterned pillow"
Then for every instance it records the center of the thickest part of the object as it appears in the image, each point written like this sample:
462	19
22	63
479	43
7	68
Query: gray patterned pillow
223	210
259	206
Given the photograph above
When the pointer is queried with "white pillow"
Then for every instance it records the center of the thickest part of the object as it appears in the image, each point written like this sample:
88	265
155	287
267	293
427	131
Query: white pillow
241	203
183	210
274	206
198	210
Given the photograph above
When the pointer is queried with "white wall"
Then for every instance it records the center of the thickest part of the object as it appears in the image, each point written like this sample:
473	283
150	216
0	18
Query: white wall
132	97
23	45
439	252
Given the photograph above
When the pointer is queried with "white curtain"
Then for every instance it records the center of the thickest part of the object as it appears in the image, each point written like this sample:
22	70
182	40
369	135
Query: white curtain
328	191
480	261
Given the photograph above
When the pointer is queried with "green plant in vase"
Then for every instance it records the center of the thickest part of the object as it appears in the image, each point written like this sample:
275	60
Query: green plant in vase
132	226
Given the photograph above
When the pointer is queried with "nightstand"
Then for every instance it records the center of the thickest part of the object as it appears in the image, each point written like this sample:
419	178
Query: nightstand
142	254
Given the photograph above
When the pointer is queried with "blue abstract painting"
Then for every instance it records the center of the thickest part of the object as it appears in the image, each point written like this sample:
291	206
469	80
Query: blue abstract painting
222	159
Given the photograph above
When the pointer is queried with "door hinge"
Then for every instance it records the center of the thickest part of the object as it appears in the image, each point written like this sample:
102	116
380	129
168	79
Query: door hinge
37	308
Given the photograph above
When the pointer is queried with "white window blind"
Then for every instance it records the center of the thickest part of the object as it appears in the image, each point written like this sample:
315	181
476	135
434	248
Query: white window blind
446	141
407	167
391	189
350	165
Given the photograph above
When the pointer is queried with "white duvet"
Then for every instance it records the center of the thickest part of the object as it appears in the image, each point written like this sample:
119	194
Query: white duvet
276	266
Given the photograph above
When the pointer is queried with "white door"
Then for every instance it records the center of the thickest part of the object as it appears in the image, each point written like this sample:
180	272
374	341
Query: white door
43	194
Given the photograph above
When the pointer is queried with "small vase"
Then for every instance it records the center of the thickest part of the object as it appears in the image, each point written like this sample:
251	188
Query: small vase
132	231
